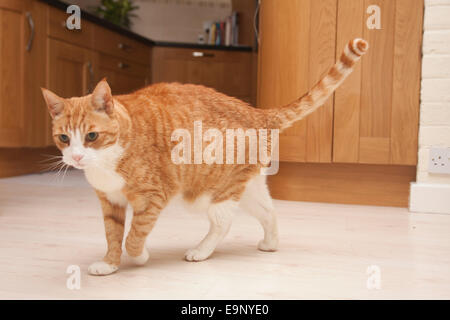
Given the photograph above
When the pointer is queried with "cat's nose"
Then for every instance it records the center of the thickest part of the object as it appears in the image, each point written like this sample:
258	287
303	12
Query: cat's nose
77	157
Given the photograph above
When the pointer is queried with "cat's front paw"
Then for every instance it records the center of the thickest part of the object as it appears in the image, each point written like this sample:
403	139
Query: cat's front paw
196	255
102	268
142	259
268	246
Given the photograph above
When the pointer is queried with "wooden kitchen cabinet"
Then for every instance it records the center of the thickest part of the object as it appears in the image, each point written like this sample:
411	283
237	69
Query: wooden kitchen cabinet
22	25
71	72
123	76
377	108
71	69
93	53
366	133
37	50
373	117
12	82
83	68
297	47
229	72
77	60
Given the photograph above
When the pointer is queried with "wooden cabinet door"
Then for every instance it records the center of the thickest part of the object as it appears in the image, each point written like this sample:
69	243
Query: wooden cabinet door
71	71
13	34
20	108
123	76
377	108
297	47
229	72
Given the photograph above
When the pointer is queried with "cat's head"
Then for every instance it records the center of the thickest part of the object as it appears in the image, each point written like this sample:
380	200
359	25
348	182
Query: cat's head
85	129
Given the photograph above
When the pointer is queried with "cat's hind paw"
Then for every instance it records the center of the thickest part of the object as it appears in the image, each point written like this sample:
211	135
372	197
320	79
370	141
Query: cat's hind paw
142	259
268	246
102	268
196	255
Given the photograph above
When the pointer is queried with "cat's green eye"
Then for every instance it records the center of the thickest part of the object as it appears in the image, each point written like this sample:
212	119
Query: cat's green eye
91	136
64	138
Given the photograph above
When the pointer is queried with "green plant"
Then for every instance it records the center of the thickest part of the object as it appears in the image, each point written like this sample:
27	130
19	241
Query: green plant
117	11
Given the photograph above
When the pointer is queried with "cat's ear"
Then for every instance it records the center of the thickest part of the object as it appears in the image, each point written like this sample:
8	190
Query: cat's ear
102	99
55	104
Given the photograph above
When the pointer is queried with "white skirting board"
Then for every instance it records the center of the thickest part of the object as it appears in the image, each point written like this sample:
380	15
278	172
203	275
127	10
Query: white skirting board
429	197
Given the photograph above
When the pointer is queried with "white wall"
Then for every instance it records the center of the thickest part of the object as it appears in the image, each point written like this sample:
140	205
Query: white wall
172	20
178	20
431	192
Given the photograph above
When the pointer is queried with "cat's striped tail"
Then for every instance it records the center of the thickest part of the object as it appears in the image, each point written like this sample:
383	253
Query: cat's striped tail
285	116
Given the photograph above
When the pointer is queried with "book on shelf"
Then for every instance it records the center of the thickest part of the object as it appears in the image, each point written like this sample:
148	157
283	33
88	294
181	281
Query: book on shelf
226	32
212	34
218	34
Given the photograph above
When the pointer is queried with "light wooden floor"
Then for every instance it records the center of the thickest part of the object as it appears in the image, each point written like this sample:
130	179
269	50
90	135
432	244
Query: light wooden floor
325	250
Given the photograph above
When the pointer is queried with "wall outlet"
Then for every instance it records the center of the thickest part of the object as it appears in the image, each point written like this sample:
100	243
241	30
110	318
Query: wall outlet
439	161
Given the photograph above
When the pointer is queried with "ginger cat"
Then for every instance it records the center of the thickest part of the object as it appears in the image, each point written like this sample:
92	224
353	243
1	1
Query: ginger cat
124	145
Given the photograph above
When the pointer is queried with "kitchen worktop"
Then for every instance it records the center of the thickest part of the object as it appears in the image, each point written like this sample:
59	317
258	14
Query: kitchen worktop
128	33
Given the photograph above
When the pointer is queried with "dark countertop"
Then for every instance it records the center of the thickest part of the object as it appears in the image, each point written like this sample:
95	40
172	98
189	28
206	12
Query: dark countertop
200	46
128	33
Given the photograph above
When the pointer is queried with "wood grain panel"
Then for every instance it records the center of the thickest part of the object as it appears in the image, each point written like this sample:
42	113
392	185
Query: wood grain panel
347	99
114	44
16	5
385	104
17	161
381	185
74	81
406	82
290	150
289	65
36	77
229	72
22	73
12	107
374	150
246	10
165	68
131	76
57	29
377	65
322	51
296	48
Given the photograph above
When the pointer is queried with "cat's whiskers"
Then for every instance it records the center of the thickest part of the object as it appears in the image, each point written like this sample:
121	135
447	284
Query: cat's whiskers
58	173
50	158
59	167
65	171
51	166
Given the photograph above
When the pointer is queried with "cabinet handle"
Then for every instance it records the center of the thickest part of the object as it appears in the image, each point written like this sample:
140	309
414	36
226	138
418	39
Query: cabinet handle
199	54
122	65
31	24
91	77
123	46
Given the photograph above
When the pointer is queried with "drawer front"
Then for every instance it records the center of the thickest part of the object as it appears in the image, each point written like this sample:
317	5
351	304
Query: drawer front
206	55
123	76
227	71
57	29
122	65
119	46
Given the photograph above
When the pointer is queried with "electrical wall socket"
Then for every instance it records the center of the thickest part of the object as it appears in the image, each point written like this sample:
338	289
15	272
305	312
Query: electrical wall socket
439	161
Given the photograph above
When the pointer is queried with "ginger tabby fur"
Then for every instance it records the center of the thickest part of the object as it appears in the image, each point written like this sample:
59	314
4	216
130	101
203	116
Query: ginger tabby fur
123	144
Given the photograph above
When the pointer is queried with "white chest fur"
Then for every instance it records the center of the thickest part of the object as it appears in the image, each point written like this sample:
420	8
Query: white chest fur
107	181
103	176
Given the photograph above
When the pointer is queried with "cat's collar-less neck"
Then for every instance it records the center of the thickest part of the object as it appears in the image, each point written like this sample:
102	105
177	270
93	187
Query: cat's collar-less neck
124	120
